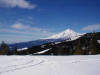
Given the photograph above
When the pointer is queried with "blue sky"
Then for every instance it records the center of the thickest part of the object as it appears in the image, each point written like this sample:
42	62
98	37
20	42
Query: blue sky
26	20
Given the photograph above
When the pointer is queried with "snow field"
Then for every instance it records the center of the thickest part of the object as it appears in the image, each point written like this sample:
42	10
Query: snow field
50	65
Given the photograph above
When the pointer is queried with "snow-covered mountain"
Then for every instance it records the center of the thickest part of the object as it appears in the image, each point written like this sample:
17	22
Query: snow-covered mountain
68	34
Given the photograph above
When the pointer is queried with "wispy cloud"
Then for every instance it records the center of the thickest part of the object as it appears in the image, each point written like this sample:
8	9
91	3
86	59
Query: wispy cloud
17	3
91	27
20	26
23	32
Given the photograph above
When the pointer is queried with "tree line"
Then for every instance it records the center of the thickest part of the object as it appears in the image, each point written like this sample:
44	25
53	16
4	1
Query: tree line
5	50
85	45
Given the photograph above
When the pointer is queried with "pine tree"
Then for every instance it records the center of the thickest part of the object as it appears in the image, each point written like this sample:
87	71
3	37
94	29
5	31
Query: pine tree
15	51
92	50
86	46
59	51
78	50
4	48
27	52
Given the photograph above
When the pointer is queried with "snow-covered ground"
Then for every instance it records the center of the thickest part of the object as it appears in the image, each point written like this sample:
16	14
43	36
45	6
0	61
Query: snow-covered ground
50	65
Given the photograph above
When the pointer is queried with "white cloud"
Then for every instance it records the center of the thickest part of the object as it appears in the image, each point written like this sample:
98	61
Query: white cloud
19	26
25	27
29	33
92	27
17	3
25	30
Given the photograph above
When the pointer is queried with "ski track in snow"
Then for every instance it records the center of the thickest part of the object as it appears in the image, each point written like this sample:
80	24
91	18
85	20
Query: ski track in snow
19	63
82	61
11	68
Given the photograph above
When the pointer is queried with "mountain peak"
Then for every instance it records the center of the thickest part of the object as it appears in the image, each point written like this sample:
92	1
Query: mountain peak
67	34
68	31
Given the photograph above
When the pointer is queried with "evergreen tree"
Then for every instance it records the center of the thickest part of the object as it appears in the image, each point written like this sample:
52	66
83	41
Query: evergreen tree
78	50
4	48
86	46
27	52
59	51
92	50
15	51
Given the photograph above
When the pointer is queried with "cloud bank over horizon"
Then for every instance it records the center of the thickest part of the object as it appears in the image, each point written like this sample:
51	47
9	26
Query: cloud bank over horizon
93	27
18	32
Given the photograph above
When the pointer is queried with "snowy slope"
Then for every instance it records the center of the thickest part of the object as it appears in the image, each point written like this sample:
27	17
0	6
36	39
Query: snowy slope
67	34
41	52
22	49
50	65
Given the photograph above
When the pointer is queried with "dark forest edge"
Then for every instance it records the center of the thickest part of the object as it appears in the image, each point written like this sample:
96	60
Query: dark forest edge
85	45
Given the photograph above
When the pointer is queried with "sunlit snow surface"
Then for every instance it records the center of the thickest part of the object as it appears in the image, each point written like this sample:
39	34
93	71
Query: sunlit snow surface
50	65
42	51
98	41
